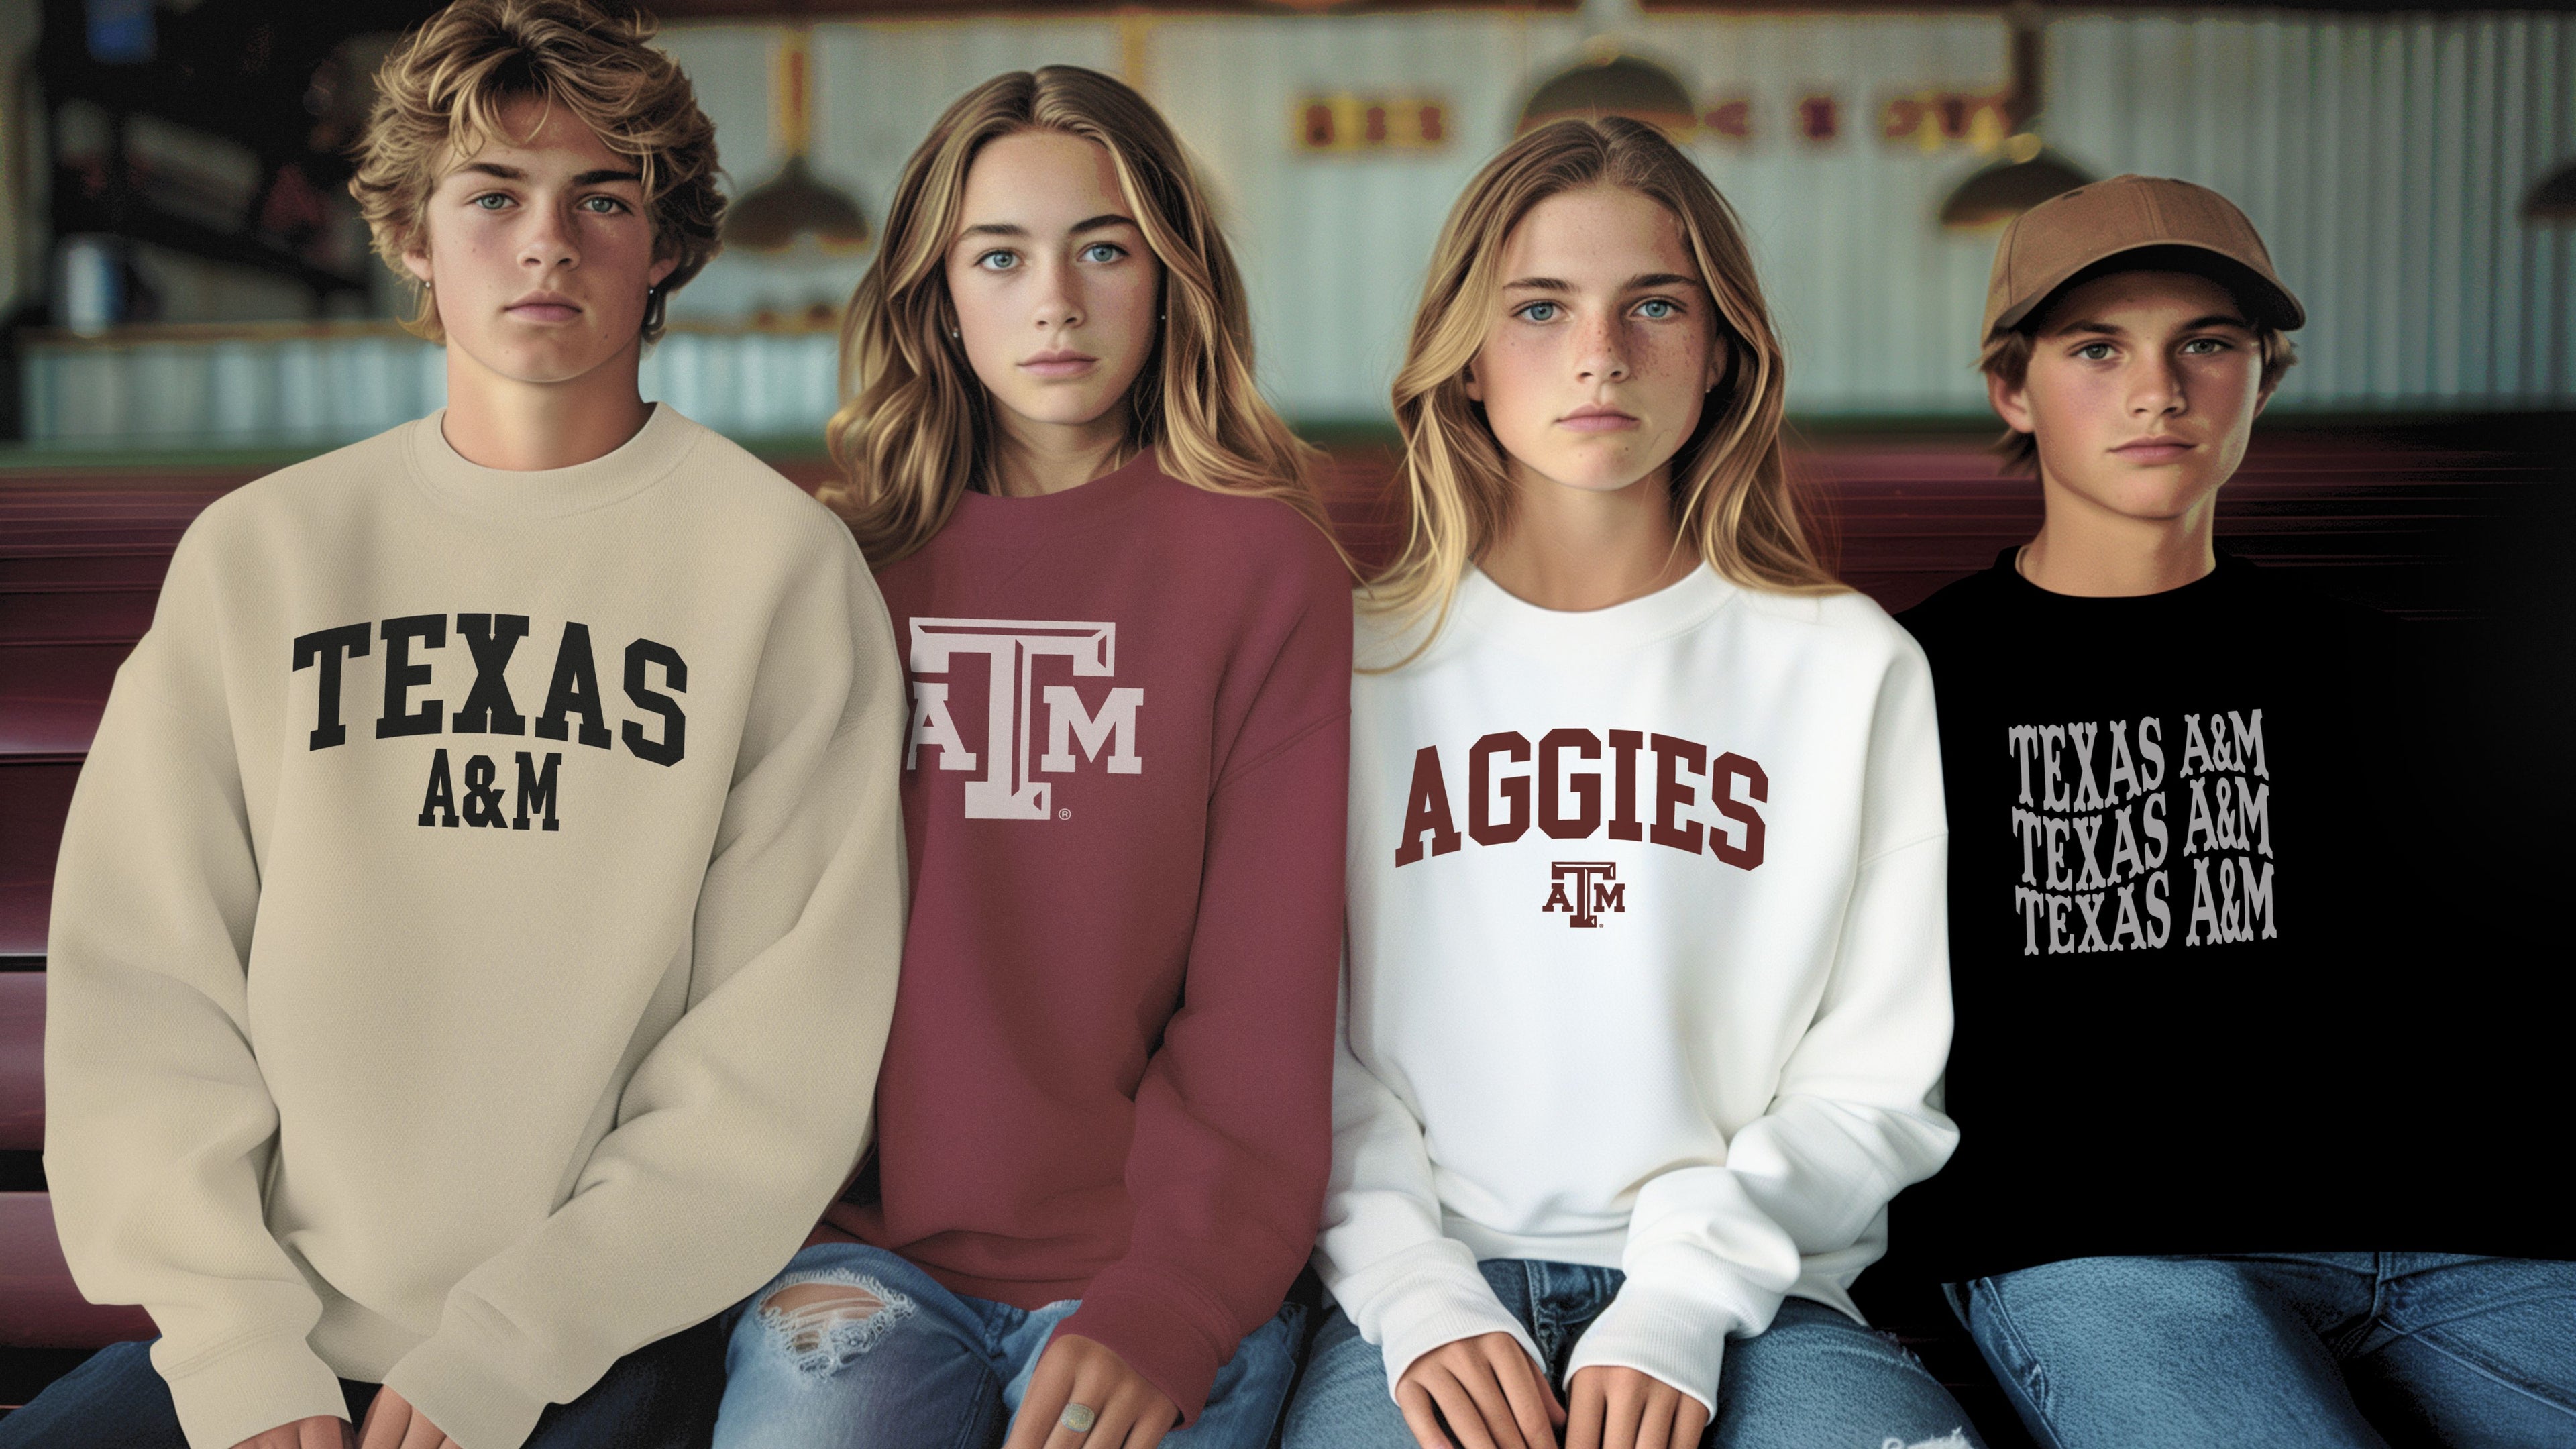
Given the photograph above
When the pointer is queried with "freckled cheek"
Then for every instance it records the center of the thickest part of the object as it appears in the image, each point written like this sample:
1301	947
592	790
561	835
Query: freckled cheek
1667	364
1516	372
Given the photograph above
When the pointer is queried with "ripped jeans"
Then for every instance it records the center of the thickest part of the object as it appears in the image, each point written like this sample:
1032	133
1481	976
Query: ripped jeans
1813	1380
910	1365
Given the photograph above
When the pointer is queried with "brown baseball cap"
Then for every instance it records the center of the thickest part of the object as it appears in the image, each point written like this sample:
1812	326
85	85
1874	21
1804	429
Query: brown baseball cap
2189	228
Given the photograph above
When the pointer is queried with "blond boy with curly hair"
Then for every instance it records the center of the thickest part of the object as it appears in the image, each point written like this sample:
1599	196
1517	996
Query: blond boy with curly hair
476	926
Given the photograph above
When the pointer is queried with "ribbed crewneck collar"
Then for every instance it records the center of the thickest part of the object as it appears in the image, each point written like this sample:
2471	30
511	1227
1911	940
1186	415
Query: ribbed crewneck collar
2210	590
1487	609
1103	498
635	465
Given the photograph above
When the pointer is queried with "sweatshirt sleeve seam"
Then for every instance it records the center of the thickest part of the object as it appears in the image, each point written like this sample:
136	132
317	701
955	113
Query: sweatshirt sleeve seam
155	682
168	712
1924	839
1237	772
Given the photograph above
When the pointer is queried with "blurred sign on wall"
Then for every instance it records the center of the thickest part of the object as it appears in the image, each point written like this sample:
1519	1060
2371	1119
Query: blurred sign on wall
1346	123
2386	158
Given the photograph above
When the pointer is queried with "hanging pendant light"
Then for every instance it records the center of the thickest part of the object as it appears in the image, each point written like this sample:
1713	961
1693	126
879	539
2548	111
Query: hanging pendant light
2553	201
771	216
1615	85
2029	172
1612	79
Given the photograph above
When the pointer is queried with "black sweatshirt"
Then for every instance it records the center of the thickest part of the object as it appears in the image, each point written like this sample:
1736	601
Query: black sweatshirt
2184	905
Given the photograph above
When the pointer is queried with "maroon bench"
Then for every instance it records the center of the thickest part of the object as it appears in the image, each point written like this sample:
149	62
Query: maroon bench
81	562
39	1307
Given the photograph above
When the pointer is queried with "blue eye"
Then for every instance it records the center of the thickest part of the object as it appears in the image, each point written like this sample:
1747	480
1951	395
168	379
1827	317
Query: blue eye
1540	312
1102	252
1656	309
998	261
490	201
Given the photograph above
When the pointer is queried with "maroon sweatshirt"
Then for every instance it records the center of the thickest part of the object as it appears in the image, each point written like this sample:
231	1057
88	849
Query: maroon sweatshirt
1110	1076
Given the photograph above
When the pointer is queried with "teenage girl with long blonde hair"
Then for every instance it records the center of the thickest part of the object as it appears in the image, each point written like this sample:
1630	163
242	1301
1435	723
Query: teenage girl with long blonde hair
1647	993
1103	1124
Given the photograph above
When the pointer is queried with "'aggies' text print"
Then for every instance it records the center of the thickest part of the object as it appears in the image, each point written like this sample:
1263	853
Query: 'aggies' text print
2106	839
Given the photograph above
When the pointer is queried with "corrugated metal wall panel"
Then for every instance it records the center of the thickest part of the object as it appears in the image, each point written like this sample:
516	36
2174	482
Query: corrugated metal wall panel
2384	157
1334	247
1876	303
877	87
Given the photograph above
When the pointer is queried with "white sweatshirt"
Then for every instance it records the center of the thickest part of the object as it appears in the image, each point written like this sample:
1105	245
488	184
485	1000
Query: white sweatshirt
476	926
1647	965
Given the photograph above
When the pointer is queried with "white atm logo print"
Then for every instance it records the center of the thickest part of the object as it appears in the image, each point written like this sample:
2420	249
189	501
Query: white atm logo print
1007	789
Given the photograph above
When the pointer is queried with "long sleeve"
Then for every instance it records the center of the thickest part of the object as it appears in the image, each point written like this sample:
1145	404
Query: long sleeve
1712	1249
1408	1286
476	926
159	1128
743	1119
1232	1127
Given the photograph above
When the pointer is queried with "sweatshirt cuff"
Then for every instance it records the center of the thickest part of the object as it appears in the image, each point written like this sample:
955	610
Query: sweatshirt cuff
468	1397
251	1388
1676	1339
1156	1335
1430	1297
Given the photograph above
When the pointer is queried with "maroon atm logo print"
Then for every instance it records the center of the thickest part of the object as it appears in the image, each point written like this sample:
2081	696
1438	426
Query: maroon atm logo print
1584	889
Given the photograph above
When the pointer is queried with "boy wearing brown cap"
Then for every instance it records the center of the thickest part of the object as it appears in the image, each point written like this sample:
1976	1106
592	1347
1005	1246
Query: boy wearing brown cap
2185	1125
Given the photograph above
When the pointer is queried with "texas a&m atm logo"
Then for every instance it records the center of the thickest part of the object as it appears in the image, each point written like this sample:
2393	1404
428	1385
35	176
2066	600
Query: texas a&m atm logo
1584	889
1007	788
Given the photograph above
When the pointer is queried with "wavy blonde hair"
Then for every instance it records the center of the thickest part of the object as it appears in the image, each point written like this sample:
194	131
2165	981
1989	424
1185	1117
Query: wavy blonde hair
917	430
1732	495
441	93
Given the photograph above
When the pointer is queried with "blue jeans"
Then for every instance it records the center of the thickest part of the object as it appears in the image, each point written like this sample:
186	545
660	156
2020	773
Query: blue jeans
931	1369
661	1396
1813	1380
2322	1350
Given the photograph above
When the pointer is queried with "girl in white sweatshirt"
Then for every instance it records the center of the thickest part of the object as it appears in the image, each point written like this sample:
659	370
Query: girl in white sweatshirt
1647	989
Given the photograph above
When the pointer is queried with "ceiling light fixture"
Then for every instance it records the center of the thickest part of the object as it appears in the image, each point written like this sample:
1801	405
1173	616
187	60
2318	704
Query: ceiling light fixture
770	216
2029	171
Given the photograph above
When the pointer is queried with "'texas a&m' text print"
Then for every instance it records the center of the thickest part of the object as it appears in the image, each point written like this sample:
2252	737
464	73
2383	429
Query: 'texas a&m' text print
2121	843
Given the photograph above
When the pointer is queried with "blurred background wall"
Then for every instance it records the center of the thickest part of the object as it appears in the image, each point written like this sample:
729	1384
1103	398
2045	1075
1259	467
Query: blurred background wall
187	271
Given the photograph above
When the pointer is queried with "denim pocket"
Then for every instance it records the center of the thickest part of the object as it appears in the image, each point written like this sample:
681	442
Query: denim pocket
1980	1306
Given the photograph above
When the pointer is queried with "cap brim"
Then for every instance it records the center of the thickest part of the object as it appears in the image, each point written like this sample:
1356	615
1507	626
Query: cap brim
2265	301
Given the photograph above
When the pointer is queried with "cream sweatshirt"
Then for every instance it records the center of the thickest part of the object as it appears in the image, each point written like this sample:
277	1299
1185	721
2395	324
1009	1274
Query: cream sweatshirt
476	927
1646	970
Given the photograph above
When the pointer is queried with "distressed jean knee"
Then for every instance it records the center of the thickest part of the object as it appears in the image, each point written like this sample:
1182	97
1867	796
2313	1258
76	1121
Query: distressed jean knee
1955	1439
822	1322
